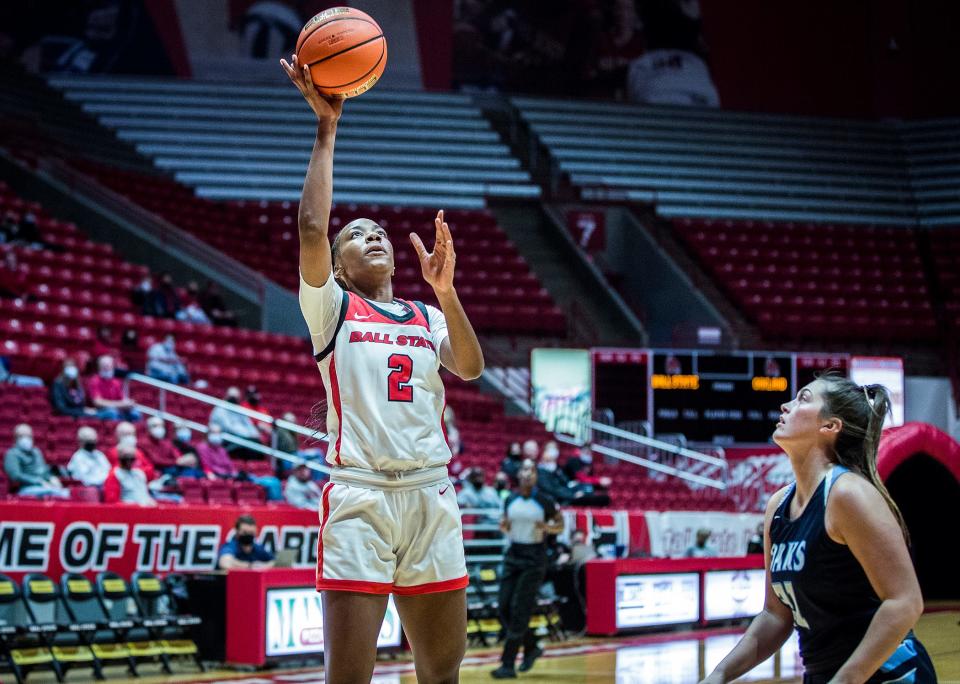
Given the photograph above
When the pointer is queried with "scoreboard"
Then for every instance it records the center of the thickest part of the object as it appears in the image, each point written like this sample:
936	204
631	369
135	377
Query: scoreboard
713	398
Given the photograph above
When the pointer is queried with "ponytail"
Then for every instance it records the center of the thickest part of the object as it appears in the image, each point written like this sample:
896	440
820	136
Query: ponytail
862	410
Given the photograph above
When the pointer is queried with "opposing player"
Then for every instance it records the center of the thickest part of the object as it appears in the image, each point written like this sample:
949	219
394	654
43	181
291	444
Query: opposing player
389	516
838	568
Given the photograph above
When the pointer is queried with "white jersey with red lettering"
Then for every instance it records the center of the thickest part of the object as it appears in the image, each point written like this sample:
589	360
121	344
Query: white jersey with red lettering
380	365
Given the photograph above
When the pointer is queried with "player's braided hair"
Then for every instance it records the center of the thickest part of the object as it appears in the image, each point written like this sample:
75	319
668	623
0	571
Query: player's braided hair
862	410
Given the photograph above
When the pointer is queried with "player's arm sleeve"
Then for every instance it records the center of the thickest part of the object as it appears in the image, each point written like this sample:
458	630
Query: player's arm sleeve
321	310
438	327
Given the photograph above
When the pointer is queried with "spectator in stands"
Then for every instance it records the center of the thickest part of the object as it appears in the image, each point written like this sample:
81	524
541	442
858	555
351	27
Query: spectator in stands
215	459
301	491
66	392
476	493
215	307
163	363
126	482
23	232
700	549
108	394
243	551
162	301
550	479
755	544
9	227
193	313
511	463
26	468
164	456
88	464
13	276
126	434
131	354
582	460
141	293
252	401
286	439
182	439
236	424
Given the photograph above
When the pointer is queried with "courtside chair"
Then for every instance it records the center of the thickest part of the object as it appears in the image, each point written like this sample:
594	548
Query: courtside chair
22	647
119	605
108	642
157	606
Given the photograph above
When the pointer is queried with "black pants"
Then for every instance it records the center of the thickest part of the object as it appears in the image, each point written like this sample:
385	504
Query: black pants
523	570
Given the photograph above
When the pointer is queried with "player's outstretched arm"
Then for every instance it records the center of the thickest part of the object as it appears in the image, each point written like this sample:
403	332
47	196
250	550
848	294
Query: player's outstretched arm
317	196
460	352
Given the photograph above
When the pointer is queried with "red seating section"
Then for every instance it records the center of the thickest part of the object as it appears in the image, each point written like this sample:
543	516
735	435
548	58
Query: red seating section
67	302
818	282
493	281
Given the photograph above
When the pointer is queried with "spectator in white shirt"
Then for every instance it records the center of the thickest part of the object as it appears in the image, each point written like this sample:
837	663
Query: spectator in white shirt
163	363
236	424
88	464
301	491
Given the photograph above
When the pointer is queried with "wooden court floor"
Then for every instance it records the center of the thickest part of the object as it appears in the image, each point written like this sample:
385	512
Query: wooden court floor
679	658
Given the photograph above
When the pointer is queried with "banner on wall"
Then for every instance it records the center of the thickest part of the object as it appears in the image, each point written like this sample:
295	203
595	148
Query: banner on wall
673	532
87	538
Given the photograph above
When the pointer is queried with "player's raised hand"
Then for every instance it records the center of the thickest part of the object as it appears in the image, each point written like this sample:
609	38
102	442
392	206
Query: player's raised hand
327	110
438	265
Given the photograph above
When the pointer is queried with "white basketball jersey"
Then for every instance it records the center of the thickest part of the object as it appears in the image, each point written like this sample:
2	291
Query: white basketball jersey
385	398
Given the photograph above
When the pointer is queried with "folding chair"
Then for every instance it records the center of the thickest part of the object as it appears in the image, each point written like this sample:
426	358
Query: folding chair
120	606
488	590
69	642
157	605
22	648
108	642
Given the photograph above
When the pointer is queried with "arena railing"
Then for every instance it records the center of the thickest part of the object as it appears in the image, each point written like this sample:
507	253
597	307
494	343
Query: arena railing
166	388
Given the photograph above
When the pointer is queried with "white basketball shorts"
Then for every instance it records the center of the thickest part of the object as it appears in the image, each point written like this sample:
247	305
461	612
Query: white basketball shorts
383	533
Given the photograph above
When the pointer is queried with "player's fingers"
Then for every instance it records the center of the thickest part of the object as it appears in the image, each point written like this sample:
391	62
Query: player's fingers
418	246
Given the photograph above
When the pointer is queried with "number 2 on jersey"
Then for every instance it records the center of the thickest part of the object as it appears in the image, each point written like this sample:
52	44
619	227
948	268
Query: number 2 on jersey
398	382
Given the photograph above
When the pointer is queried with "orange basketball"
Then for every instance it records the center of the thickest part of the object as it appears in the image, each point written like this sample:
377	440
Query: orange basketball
345	49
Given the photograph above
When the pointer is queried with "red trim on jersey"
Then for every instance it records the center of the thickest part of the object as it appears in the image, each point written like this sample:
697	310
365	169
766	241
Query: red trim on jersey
335	389
433	587
443	424
324	516
368	314
354	585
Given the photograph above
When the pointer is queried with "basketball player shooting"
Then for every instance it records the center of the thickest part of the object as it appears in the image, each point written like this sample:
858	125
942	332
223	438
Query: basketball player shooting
389	521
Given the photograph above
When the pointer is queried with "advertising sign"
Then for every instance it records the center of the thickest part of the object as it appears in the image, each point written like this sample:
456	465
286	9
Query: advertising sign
295	622
732	594
659	599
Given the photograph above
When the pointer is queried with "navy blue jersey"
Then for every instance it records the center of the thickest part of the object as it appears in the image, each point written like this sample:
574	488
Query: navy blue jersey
823	585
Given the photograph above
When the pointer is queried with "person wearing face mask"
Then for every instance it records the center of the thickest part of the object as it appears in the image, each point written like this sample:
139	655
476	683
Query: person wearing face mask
164	456
126	434
26	469
301	491
67	395
550	478
216	461
235	424
183	440
108	394
511	462
88	464
253	402
127	483
476	493
243	551
163	362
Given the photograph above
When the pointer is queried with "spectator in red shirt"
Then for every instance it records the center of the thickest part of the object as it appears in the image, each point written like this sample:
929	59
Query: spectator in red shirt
164	456
126	482
216	460
126	434
108	395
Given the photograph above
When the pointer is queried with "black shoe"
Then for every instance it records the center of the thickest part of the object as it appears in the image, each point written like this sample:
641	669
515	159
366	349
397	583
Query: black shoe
530	658
504	672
